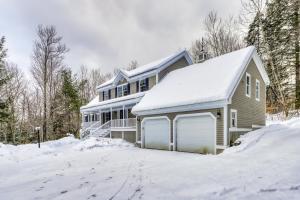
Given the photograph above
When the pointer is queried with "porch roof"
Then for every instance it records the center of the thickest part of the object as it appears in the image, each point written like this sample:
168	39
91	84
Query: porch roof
116	102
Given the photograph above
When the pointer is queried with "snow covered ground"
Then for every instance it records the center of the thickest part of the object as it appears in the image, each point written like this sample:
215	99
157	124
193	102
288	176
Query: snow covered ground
265	166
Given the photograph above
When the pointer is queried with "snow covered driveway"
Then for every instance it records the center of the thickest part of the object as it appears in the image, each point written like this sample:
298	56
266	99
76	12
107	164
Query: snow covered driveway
265	166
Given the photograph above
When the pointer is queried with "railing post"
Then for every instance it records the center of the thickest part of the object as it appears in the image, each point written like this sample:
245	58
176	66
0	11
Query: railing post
123	115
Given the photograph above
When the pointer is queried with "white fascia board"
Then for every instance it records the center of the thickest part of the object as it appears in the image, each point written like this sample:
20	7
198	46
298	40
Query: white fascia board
260	68
143	75
112	104
183	108
184	54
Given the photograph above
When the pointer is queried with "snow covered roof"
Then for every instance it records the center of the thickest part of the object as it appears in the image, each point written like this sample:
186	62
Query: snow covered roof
210	81
95	104
149	67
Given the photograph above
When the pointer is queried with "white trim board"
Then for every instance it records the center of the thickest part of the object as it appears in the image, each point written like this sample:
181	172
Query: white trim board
183	108
239	129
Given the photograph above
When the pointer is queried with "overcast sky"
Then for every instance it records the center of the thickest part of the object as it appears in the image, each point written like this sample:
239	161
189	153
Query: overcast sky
105	33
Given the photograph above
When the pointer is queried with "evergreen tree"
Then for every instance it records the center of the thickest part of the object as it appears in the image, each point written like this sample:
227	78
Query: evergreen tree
255	33
3	79
296	34
68	101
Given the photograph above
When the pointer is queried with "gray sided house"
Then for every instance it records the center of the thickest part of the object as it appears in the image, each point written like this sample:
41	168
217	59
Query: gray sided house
202	108
109	113
172	104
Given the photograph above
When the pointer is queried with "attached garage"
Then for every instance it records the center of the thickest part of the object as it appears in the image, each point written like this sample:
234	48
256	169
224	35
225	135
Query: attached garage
195	133
156	133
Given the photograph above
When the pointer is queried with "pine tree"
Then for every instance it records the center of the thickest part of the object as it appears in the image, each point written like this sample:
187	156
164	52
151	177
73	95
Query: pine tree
3	79
295	7
255	33
279	47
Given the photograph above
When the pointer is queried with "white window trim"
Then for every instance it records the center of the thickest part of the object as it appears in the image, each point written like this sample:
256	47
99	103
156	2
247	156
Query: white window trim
104	96
248	75
257	91
143	79
231	111
122	89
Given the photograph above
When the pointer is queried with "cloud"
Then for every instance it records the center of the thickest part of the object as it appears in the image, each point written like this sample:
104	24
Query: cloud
108	33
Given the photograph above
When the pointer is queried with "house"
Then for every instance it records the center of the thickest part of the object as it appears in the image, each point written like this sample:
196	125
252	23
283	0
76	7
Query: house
109	114
172	104
202	107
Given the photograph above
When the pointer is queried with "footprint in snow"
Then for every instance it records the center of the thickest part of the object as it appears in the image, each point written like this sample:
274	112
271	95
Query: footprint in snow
108	178
64	191
92	196
39	189
295	187
46	181
268	190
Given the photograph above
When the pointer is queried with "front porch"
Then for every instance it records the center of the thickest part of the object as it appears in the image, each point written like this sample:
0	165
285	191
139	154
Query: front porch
113	122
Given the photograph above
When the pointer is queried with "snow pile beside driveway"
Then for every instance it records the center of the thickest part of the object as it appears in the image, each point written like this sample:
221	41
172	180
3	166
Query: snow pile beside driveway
265	166
93	142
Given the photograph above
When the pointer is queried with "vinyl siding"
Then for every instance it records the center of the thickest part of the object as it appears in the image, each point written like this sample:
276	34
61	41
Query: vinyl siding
171	116
249	110
152	81
129	136
177	65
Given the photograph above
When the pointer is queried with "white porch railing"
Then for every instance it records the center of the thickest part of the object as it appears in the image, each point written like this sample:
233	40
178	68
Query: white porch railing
103	130
123	123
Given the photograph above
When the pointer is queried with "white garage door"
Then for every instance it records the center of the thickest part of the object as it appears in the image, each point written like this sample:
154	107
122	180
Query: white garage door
156	133
195	133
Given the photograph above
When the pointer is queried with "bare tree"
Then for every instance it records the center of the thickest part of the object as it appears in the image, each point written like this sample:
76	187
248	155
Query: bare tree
48	55
132	65
222	36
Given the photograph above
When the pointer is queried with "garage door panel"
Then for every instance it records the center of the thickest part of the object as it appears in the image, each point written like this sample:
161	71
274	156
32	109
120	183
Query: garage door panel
156	132
195	134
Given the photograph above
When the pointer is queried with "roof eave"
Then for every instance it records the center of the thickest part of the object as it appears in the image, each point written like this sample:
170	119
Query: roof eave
182	108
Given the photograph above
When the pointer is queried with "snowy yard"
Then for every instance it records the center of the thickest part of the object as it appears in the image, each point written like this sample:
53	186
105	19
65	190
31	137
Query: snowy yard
265	166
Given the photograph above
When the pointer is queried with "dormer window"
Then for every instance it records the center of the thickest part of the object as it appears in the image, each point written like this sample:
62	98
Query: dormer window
123	90
144	84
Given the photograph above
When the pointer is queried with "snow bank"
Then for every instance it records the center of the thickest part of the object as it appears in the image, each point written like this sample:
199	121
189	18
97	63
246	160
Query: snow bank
275	131
93	142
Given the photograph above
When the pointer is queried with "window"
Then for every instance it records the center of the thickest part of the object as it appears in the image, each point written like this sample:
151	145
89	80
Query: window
248	85
123	90
257	90
144	85
86	118
233	118
105	95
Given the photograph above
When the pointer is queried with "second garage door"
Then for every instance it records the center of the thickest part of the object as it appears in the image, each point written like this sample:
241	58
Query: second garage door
156	133
195	133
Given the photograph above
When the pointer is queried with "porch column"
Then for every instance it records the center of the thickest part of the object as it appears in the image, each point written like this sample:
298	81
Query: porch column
110	120
123	121
100	117
123	115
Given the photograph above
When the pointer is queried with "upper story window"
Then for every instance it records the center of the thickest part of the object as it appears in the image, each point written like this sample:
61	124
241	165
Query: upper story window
233	118
248	85
257	90
144	85
123	90
106	95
